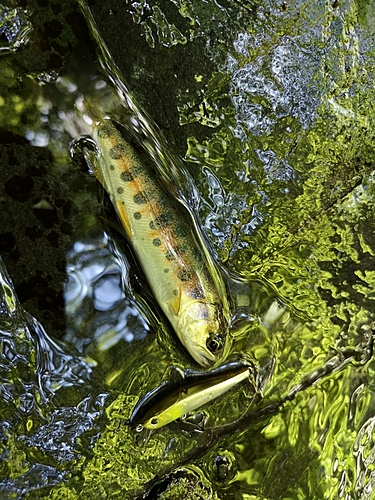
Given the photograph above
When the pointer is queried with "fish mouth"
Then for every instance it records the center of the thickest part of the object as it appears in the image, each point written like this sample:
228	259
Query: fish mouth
202	356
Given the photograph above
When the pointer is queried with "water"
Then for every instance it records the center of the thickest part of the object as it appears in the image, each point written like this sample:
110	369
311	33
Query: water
14	28
272	106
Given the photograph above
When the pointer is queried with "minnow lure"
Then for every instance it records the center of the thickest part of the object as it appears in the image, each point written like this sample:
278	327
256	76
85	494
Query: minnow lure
162	233
185	392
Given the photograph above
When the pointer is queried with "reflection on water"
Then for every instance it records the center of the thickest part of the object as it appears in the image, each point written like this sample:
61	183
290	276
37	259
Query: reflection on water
34	372
14	28
95	283
278	105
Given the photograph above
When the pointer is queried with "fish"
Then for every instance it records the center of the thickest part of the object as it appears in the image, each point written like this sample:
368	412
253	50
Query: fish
184	281
187	391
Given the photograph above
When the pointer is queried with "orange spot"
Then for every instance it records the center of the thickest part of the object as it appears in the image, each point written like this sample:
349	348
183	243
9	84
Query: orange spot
126	163
124	219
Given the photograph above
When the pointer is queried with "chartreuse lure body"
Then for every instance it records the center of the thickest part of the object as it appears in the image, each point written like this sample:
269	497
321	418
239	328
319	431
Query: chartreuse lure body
186	285
186	393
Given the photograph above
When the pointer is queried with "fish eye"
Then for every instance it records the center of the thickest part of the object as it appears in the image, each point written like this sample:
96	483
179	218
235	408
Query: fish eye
214	343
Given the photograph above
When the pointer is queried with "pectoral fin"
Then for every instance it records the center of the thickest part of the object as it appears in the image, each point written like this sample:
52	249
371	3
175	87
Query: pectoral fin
121	212
176	303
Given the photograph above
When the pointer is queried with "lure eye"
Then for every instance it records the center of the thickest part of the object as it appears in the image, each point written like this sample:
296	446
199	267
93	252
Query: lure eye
214	343
139	428
154	421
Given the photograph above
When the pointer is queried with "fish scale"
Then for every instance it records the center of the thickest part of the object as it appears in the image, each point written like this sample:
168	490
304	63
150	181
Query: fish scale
187	287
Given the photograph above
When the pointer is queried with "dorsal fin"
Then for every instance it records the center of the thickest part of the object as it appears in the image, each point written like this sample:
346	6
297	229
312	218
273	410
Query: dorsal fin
168	187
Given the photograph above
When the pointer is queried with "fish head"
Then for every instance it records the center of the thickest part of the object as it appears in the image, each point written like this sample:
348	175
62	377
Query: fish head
203	332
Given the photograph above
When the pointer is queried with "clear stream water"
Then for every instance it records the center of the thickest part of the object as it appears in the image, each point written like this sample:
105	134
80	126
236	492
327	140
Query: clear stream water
261	114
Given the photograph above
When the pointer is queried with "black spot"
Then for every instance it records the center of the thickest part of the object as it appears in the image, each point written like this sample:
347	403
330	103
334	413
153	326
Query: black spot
170	255
117	152
151	193
163	220
111	167
105	131
182	248
137	169
181	231
139	199
126	176
166	219
120	190
156	242
184	275
175	292
137	215
166	270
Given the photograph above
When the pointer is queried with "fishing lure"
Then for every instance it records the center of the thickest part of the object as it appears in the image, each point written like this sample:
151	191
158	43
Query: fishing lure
185	392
